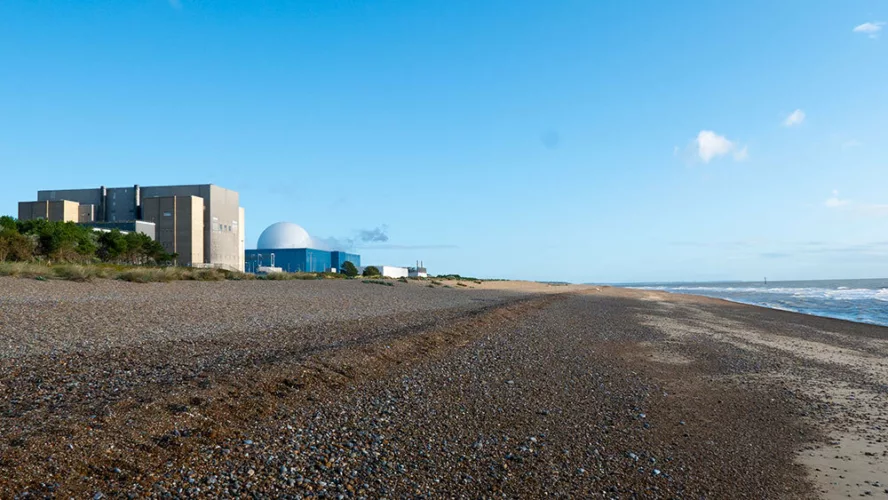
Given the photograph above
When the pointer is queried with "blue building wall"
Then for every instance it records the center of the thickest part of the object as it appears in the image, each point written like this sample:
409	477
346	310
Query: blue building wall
292	260
339	258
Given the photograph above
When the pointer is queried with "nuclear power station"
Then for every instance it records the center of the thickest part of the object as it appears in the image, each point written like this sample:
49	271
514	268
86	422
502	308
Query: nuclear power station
289	248
203	224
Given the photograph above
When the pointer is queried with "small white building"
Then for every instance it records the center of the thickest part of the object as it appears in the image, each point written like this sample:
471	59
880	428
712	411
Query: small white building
388	271
268	270
417	272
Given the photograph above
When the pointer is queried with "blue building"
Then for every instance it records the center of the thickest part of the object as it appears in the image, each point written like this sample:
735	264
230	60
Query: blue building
337	259
289	247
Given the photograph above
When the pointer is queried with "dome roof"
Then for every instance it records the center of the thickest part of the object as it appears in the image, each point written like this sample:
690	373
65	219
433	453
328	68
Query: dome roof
284	235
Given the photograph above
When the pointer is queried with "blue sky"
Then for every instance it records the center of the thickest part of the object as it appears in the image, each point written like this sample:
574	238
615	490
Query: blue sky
562	140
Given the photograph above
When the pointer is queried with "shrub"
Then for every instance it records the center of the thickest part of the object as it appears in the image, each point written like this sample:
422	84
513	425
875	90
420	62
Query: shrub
371	271
24	269
75	272
403	280
349	269
378	282
283	276
146	275
208	275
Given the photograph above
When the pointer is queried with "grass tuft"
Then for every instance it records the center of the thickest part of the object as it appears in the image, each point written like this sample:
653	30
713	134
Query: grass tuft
378	282
75	272
24	269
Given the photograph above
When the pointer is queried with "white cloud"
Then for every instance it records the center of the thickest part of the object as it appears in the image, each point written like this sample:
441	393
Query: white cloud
835	201
794	118
854	208
710	145
176	4
870	29
851	143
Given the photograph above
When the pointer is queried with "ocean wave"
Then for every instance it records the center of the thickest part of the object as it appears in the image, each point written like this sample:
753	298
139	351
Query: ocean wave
863	305
841	293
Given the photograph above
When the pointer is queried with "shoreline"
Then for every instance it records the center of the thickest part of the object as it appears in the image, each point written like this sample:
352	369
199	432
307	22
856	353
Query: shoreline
773	308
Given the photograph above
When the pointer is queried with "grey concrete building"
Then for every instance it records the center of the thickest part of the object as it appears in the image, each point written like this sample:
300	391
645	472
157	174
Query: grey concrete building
179	224
211	215
56	211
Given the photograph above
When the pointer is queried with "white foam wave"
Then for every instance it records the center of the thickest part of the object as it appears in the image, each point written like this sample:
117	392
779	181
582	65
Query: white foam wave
840	293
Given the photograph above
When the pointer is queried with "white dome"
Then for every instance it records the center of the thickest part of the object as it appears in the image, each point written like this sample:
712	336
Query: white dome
284	235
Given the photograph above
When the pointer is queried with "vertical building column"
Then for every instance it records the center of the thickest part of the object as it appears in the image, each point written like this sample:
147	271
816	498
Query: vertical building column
103	209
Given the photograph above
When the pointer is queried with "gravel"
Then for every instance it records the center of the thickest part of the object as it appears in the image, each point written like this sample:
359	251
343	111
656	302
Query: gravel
345	390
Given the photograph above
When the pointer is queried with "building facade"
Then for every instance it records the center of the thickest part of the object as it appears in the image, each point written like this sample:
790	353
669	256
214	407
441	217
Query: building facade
337	259
388	271
179	226
288	246
202	223
298	260
56	211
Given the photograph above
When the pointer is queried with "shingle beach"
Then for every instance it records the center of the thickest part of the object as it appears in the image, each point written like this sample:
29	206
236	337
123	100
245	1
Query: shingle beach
344	389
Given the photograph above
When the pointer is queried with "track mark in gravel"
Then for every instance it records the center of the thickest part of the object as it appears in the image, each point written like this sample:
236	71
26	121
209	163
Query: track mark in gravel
138	435
557	403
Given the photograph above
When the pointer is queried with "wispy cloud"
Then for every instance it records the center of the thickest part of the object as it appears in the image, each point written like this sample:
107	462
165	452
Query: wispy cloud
874	209
409	247
373	235
794	118
776	255
361	236
851	143
709	145
834	201
870	29
720	244
866	248
371	239
864	209
176	4
770	249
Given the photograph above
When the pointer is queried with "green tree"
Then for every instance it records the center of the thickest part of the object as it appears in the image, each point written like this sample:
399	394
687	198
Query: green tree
7	222
141	249
371	271
349	269
64	241
112	246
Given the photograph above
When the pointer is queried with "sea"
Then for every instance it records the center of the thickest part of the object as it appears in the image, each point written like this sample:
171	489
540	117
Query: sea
861	300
